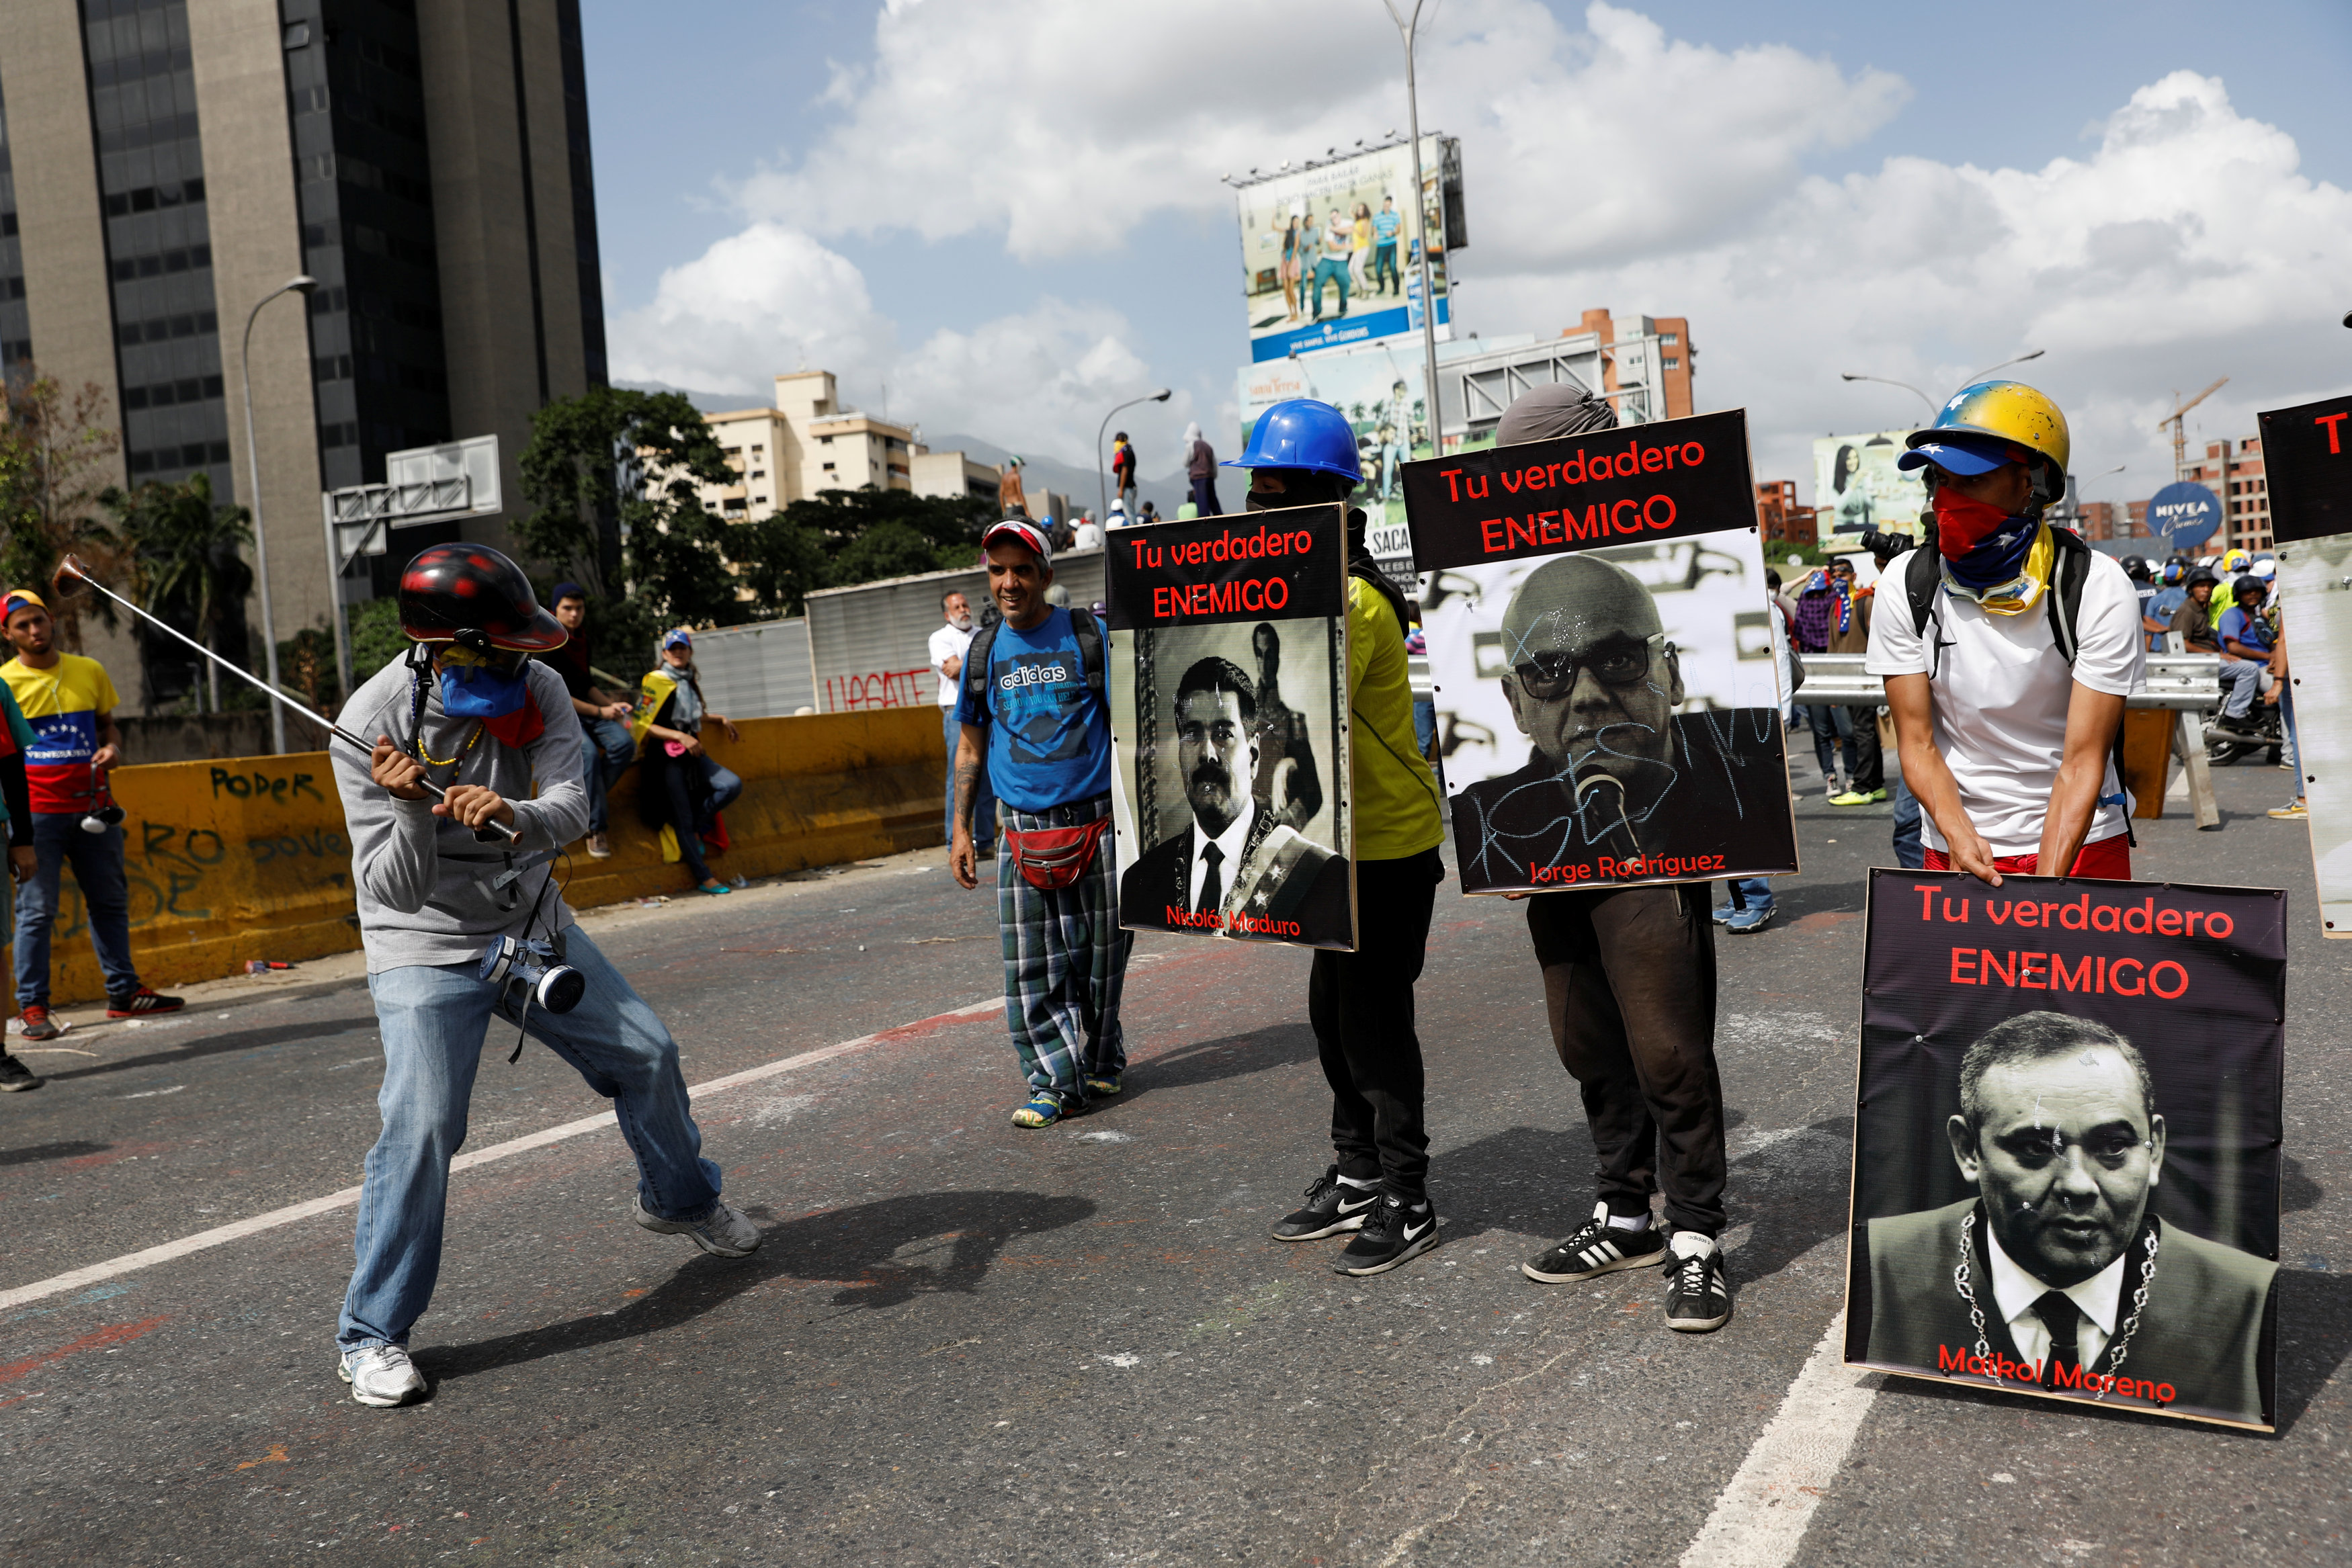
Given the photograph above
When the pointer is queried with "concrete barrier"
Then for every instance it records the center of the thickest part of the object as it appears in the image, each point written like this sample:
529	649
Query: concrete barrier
247	858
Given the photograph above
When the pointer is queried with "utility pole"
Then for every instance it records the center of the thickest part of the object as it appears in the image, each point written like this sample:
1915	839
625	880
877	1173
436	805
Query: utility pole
1406	26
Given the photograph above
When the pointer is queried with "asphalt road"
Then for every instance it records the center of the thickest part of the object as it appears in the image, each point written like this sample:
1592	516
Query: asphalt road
964	1344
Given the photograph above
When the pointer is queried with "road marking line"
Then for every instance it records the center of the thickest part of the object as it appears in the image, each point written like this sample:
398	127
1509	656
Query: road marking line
1761	1515
221	1235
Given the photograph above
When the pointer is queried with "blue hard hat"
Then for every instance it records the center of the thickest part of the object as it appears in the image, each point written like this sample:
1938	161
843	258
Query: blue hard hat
1301	432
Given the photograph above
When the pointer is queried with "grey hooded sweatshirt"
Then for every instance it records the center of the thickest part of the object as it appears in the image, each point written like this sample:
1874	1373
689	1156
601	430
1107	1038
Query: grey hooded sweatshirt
423	882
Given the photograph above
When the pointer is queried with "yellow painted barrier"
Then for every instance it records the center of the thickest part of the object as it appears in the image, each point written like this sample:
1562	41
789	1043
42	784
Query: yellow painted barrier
247	858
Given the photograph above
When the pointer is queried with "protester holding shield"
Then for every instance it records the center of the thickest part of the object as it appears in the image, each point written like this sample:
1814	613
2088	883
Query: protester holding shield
443	884
1629	972
1034	717
1303	453
2008	668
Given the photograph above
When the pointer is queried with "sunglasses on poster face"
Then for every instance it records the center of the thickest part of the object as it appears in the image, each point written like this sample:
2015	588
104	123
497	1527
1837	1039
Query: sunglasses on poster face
1616	660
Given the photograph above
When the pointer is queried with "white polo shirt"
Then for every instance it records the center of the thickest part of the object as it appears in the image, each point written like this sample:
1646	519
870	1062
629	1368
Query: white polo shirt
2000	691
948	642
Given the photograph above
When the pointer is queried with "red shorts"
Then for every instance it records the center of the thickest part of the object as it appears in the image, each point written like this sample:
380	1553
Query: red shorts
2109	860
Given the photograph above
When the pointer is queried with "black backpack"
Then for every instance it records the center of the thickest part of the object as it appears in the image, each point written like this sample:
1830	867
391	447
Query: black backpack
2069	569
1084	627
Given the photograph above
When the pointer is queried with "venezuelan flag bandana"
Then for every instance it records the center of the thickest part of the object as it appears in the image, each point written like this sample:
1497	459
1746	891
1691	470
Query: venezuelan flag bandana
1822	582
2001	562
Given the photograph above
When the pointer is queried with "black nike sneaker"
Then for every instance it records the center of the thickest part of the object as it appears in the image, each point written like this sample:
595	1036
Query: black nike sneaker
1698	1292
1595	1249
1393	1233
1332	1205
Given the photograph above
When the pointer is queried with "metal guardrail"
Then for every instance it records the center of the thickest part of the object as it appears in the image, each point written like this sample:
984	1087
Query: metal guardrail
2177	681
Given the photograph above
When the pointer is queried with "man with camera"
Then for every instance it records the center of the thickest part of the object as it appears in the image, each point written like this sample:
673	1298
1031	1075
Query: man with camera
70	702
443	884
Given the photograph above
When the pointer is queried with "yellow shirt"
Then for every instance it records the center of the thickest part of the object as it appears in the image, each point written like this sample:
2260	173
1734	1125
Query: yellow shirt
1396	797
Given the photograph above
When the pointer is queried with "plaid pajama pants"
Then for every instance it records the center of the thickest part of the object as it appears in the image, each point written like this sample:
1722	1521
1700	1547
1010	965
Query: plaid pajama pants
1065	959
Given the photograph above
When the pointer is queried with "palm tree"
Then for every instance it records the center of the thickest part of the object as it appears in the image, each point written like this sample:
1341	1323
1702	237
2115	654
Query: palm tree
185	558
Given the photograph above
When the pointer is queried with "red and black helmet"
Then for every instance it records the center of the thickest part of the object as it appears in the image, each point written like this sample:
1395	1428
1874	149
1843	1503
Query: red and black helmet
451	590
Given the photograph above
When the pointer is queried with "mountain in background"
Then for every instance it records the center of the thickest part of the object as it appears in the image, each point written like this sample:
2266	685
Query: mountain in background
1081	484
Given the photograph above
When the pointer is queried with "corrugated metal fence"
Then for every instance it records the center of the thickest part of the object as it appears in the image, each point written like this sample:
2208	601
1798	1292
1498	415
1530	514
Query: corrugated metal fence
756	672
869	646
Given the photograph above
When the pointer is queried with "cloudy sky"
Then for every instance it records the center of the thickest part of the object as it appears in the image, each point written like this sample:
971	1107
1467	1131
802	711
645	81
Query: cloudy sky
999	217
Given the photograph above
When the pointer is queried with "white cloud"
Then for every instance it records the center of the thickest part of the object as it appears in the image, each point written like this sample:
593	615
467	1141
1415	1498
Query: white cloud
2186	247
765	300
1607	164
771	298
1041	379
1024	119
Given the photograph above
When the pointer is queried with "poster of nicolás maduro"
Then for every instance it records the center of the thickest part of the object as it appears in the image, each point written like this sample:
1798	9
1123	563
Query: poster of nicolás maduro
1608	703
1228	702
2067	1141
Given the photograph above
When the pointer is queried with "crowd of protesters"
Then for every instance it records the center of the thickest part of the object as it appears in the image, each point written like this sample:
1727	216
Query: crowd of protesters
1996	743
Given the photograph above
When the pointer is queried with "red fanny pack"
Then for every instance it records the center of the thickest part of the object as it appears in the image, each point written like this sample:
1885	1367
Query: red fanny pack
1050	859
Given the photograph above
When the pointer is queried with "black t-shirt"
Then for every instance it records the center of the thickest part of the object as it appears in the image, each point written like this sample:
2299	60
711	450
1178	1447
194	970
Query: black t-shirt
571	662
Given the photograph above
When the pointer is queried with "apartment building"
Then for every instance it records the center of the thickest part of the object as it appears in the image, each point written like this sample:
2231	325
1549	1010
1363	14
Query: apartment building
171	165
2234	471
807	444
1778	517
1651	353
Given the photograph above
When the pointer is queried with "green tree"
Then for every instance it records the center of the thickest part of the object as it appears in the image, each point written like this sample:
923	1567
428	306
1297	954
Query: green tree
184	551
638	459
843	536
376	637
56	457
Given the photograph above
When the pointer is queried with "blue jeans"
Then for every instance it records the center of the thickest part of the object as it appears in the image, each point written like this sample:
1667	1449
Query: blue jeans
1336	271
1831	725
1907	852
1384	267
606	749
97	860
1424	732
2243	679
434	1017
725	789
1749	891
983	798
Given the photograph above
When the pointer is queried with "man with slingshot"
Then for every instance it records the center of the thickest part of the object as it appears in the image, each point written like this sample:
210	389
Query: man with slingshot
451	860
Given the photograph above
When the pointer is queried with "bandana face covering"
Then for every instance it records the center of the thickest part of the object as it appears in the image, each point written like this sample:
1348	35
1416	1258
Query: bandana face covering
481	691
2000	561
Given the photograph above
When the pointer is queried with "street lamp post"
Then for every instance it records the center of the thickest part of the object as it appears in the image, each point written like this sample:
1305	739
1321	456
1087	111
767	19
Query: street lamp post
1882	381
302	284
2031	354
1102	474
1406	26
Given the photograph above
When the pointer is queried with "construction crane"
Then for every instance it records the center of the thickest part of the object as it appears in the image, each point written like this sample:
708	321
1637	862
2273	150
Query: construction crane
2179	439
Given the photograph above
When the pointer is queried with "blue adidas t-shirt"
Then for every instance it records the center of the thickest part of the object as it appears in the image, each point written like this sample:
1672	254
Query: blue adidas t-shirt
1048	737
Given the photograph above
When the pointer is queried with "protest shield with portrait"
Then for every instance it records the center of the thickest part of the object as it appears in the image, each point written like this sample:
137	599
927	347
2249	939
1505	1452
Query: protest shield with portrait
1228	700
1608	702
2068	1138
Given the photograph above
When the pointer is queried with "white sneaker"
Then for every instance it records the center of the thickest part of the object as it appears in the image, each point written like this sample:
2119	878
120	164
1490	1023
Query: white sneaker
723	1231
381	1374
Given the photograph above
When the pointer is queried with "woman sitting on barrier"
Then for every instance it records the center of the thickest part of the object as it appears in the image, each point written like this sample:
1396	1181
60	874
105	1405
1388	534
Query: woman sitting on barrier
681	792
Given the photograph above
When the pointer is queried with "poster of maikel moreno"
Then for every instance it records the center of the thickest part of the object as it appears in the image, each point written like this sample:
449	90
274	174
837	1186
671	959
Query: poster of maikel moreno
1228	699
1599	636
2069	1141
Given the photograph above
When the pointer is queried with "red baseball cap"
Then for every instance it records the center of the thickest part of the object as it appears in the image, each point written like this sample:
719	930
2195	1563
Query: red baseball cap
1020	531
